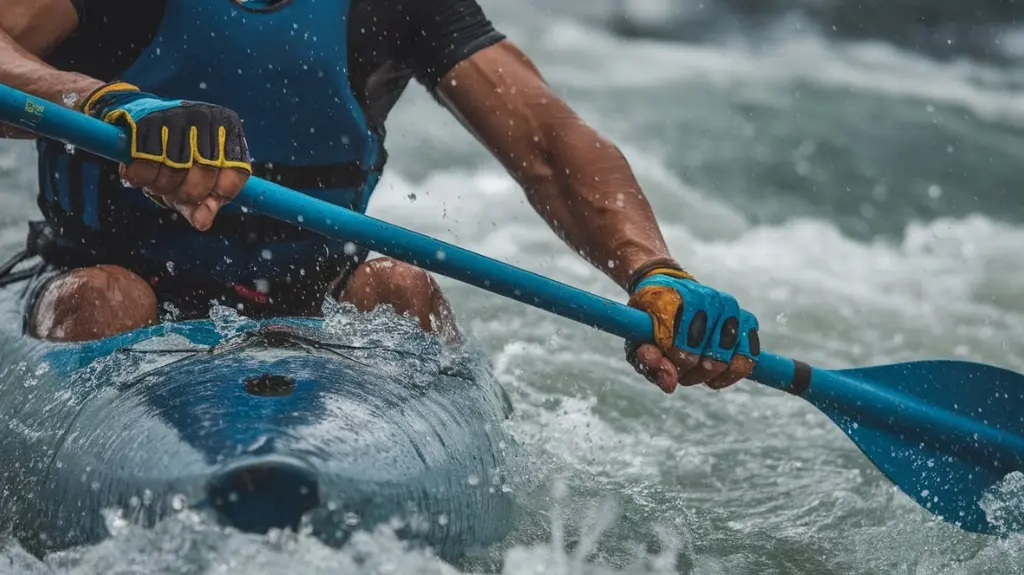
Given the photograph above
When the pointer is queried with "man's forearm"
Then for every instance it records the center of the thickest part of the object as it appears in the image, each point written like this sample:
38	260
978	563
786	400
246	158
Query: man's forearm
588	194
22	70
578	181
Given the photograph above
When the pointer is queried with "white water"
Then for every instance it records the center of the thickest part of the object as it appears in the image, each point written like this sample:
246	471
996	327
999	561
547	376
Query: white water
741	481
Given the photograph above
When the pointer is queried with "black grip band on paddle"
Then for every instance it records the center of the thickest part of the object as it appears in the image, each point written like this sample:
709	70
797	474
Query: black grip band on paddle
801	378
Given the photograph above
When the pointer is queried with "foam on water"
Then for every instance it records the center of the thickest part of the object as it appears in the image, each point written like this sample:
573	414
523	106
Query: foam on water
947	288
743	481
582	56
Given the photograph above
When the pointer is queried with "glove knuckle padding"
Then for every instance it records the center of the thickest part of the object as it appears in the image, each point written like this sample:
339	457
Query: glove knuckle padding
149	138
204	131
701	318
725	333
748	343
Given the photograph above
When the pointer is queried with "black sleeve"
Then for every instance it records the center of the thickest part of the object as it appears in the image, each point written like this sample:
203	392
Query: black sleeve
443	33
110	35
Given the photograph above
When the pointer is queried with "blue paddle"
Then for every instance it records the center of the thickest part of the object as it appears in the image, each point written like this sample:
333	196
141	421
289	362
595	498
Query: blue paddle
944	431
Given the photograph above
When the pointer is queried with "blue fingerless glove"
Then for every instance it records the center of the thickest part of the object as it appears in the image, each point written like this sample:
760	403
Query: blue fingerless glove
693	317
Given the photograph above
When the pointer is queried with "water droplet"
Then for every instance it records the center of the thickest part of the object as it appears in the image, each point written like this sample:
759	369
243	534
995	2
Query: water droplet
178	502
440	255
351	519
781	319
934	191
69	99
442	519
233	497
266	254
170	267
473	480
115	521
350	249
227	321
412	197
262	286
202	85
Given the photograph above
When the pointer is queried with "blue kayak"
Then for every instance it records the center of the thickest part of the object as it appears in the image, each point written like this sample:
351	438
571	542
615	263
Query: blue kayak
272	424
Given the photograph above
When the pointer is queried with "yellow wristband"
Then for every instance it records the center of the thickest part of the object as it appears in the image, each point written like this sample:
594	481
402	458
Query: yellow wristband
103	90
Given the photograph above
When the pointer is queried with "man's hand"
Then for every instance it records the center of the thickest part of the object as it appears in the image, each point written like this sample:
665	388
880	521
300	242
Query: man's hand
581	184
701	334
189	156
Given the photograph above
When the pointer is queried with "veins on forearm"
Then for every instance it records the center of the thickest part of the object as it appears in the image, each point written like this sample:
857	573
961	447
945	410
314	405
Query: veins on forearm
578	181
22	70
583	187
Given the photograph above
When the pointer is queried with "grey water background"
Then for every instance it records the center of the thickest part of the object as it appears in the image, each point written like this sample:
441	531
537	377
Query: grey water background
861	192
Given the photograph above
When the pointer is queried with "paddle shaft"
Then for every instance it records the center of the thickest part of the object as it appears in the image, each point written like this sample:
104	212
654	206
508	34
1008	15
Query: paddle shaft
60	123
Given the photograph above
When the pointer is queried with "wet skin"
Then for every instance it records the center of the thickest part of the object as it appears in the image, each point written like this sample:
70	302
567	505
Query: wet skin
576	179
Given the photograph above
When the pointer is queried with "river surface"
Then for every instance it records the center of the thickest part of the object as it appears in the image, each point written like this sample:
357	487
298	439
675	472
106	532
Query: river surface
862	198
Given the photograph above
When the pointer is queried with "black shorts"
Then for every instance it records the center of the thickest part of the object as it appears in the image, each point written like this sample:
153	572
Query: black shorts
181	299
185	300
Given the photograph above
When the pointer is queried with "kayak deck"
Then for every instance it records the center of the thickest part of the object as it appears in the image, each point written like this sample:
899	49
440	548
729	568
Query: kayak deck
281	423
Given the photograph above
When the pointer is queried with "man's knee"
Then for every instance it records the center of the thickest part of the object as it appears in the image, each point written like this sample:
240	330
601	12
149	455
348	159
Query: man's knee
408	289
91	303
392	280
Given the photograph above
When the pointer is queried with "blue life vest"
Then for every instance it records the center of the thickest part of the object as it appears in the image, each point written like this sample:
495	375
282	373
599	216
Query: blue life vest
285	72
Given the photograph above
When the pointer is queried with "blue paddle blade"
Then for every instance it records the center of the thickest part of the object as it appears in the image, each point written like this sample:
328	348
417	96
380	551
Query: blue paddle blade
946	432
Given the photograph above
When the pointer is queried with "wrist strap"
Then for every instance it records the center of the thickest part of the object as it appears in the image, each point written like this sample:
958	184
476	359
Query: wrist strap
665	266
103	90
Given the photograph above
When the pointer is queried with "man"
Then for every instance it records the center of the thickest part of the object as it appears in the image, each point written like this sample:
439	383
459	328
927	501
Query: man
306	85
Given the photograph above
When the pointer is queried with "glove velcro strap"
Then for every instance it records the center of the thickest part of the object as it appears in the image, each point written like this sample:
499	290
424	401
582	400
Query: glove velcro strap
90	101
663	266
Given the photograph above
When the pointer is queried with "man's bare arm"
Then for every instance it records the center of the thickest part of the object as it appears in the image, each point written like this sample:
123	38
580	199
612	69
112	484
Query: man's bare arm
575	178
29	30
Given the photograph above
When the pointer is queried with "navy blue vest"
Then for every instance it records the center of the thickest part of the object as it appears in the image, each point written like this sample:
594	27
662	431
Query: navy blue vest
285	72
